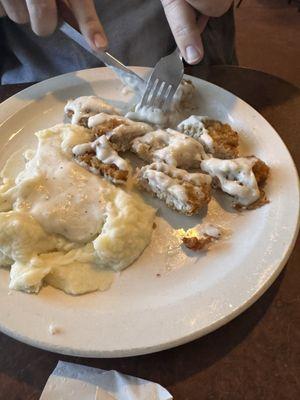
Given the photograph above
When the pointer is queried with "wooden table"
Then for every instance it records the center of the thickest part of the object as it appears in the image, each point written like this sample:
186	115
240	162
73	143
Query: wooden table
254	357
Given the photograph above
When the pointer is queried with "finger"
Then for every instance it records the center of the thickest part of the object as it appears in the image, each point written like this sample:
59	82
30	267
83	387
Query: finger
214	8
89	24
16	10
202	22
43	16
2	11
183	23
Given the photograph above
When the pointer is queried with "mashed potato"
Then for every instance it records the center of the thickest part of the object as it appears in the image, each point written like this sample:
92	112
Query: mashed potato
62	225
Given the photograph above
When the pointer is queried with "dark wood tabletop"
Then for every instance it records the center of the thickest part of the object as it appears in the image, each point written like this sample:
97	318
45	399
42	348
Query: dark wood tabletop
257	355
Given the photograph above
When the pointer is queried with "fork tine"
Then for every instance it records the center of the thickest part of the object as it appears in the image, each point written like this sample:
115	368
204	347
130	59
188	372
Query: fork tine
147	91
168	98
155	92
159	101
165	95
164	81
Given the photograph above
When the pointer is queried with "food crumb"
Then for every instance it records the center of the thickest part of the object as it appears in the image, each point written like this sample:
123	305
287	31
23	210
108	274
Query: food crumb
197	243
199	237
53	329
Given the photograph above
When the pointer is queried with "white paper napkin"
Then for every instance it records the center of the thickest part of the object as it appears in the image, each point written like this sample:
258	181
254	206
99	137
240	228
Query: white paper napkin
77	382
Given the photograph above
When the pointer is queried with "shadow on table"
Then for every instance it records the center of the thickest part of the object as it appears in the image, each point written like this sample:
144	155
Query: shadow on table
32	366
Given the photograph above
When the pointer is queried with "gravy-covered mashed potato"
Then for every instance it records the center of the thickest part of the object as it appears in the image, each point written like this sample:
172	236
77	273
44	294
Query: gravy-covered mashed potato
64	226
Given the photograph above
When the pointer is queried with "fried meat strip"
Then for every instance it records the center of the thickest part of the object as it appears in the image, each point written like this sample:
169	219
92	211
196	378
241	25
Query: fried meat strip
171	147
99	157
119	130
218	139
80	109
242	178
182	191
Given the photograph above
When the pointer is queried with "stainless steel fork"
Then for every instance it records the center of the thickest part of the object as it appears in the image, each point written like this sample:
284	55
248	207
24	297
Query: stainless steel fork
164	81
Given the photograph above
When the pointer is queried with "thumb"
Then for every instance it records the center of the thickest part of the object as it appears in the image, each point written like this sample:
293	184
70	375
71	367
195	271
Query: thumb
186	28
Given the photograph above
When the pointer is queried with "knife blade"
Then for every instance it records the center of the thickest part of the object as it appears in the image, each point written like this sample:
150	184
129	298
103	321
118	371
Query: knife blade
127	76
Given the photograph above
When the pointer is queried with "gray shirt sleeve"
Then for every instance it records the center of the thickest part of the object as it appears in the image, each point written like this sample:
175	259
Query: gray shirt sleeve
138	34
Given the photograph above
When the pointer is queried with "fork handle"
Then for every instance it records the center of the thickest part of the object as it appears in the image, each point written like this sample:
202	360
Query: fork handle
178	52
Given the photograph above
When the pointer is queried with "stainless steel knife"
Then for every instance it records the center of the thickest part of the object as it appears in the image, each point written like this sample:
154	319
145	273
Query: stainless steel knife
127	76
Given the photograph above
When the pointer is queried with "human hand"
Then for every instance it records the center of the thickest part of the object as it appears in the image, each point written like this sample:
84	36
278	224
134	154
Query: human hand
43	17
187	25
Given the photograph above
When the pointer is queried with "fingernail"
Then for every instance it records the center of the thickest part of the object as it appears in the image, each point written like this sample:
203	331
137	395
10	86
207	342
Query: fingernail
192	54
99	41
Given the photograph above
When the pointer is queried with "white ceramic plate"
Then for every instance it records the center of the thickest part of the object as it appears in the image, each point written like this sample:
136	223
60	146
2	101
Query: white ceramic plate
169	296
